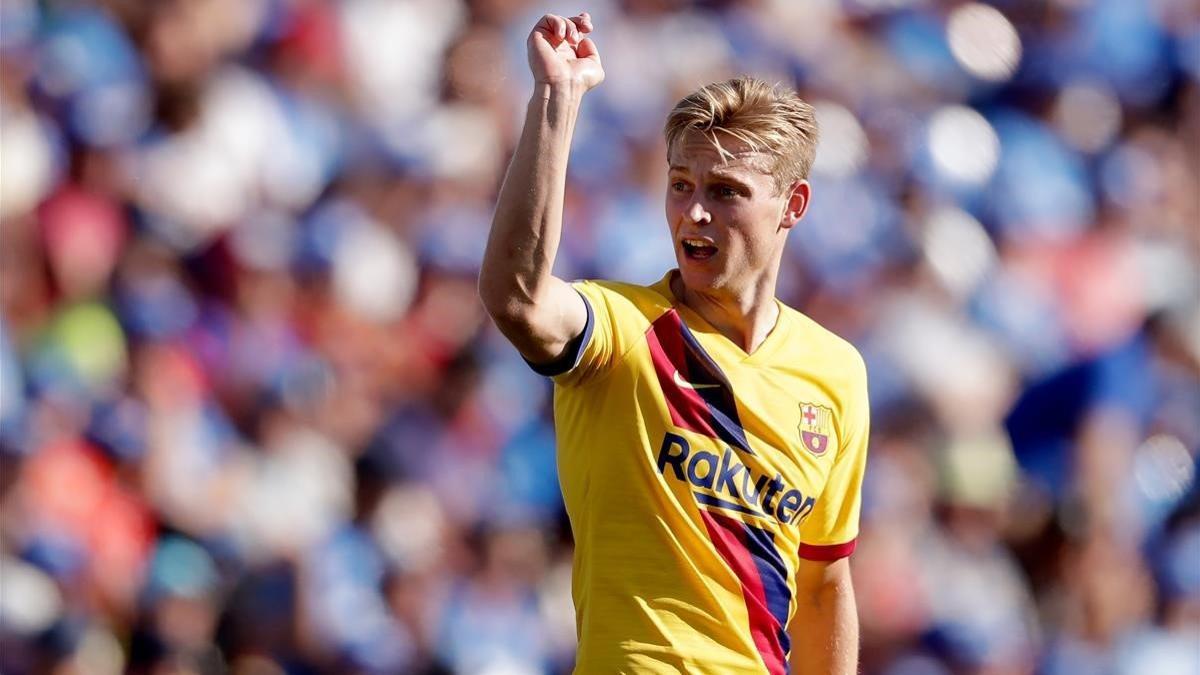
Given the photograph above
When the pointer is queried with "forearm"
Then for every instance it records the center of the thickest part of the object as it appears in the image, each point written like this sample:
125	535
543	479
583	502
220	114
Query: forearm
824	629
527	224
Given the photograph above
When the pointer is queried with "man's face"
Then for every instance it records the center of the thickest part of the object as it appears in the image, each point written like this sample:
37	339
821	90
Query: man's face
728	220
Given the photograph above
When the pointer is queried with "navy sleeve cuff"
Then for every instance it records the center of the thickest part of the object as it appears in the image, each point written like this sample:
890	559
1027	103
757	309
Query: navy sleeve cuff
574	351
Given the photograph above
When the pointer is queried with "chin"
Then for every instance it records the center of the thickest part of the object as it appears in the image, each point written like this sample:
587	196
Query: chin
699	277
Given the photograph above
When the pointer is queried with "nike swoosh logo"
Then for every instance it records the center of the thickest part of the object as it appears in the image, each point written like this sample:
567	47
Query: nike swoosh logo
684	384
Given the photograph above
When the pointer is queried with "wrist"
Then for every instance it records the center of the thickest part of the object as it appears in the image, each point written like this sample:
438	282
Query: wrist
557	104
560	91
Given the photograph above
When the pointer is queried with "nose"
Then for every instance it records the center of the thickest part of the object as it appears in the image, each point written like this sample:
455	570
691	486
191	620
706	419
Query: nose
697	214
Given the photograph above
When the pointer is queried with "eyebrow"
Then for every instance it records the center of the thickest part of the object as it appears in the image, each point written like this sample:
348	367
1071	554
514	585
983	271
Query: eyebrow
717	175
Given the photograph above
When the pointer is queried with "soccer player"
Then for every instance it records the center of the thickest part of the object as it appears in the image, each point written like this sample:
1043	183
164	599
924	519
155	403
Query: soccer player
711	440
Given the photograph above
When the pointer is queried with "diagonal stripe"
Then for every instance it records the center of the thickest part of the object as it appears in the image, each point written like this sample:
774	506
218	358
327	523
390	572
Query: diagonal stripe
720	400
741	548
710	410
773	572
688	410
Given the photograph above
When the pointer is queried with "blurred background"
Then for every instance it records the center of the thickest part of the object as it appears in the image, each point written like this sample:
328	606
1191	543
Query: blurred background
254	420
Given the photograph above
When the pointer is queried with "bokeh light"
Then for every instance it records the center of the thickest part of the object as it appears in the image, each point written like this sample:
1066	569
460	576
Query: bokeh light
374	272
984	42
843	148
964	146
958	249
27	162
1165	470
1088	115
29	601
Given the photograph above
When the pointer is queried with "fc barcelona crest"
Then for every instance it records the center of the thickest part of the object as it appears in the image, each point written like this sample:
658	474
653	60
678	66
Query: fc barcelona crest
816	422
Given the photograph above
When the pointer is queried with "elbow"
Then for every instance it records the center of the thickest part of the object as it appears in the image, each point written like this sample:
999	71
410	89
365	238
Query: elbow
504	305
497	289
487	295
491	293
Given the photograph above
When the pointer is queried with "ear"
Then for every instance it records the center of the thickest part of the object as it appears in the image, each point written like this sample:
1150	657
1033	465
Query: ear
797	204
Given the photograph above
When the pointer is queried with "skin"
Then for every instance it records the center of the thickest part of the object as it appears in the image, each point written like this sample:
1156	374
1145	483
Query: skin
824	629
535	310
733	202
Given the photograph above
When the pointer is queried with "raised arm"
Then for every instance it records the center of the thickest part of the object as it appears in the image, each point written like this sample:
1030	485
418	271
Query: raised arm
537	312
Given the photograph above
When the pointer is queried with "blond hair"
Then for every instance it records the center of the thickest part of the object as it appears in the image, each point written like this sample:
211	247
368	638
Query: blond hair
772	120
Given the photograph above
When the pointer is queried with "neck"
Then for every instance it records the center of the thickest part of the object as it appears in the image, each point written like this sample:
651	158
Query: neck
746	317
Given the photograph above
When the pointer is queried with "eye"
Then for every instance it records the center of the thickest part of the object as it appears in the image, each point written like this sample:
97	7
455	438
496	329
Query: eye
725	192
679	186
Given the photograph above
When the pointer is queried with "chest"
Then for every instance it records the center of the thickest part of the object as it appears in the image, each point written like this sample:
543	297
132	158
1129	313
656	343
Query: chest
780	425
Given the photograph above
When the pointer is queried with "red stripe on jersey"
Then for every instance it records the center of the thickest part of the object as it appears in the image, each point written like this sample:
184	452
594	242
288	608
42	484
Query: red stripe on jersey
697	392
688	409
728	536
827	553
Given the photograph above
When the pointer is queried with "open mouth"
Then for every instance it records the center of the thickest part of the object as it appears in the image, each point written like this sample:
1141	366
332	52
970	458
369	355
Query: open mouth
696	248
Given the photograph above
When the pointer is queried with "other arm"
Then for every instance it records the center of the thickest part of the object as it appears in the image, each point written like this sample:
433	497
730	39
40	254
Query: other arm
824	629
539	313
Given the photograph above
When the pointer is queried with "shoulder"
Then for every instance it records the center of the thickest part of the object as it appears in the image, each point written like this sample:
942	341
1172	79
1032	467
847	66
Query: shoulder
622	298
840	373
834	356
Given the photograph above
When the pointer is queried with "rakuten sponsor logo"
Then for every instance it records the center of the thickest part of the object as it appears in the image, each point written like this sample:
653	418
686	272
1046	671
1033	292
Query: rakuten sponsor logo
724	481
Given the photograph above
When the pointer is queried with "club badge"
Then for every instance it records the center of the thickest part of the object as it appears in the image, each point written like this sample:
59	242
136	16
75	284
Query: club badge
816	422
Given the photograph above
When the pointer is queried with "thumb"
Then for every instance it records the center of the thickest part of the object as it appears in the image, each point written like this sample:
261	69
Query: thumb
587	50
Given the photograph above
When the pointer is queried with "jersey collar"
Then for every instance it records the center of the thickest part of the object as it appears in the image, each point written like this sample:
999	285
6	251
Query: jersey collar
700	327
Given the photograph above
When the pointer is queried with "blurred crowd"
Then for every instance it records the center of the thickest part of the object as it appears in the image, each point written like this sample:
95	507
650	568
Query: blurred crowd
253	418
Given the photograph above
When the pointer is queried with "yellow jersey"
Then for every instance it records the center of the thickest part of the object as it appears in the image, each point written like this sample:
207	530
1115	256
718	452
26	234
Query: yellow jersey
695	476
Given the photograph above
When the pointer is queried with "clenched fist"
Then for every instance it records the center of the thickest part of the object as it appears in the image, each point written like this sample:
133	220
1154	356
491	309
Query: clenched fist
560	54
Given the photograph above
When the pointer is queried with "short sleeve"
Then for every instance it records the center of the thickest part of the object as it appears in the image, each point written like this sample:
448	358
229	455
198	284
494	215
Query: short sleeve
596	349
830	532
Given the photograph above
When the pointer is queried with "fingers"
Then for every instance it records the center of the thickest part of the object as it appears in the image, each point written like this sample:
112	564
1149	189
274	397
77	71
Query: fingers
553	25
583	22
560	28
